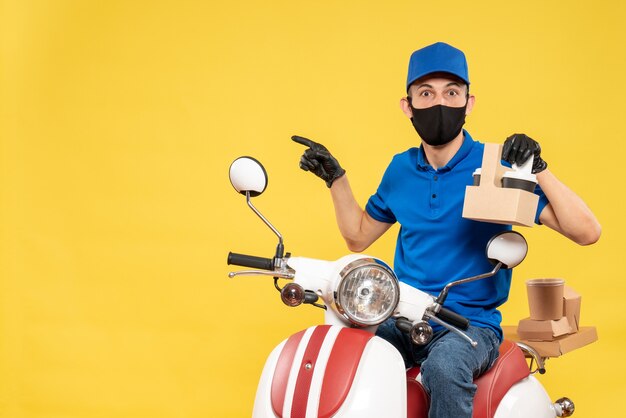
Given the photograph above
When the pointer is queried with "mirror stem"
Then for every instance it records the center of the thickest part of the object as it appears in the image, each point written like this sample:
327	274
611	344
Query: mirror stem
444	293
280	248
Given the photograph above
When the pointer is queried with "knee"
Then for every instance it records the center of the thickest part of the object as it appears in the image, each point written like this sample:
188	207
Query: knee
441	374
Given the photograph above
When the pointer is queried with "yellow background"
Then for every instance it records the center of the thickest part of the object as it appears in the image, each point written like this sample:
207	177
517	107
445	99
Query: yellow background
119	120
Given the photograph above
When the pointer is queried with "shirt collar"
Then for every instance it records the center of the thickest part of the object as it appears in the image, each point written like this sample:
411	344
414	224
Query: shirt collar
465	149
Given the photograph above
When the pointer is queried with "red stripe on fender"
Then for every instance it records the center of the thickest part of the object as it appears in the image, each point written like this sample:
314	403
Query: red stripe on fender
303	384
281	372
342	365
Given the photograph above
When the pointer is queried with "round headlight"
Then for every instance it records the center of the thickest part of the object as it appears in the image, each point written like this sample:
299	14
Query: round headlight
368	292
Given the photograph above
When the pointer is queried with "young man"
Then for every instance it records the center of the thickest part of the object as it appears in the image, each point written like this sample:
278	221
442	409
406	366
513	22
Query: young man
423	189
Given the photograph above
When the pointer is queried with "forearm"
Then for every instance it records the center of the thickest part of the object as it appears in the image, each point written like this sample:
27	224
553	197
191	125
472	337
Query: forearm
567	212
357	228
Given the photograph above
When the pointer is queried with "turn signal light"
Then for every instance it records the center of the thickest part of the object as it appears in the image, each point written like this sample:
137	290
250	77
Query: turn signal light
292	294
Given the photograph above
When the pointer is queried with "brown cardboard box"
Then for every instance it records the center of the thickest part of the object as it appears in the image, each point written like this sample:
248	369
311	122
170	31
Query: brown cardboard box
558	347
571	307
490	202
530	329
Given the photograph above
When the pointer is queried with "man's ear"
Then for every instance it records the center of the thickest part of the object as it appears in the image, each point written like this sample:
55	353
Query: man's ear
471	100
406	107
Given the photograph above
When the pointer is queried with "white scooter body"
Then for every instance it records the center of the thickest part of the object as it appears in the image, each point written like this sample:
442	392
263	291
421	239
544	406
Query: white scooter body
379	386
380	372
378	389
527	398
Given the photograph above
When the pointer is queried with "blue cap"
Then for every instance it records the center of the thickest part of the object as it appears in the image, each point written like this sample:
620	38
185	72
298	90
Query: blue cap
435	58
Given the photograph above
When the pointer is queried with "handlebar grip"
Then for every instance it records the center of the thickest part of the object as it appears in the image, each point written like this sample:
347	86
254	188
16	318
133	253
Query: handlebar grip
250	261
453	318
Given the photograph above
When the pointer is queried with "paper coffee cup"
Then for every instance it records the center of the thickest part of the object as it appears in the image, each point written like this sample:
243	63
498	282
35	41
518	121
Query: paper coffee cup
545	298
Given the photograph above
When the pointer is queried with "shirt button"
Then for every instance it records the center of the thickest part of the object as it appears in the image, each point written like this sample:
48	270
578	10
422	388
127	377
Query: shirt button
435	178
434	195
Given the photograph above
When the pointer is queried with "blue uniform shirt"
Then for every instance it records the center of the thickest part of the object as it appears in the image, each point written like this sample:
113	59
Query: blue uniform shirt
436	245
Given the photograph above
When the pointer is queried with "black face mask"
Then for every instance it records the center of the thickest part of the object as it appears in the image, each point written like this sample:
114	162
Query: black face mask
438	125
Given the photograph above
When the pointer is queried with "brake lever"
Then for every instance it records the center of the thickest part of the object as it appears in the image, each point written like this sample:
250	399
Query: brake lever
279	274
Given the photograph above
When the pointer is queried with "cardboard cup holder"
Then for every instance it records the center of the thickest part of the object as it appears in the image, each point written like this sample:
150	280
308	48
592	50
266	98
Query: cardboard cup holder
501	195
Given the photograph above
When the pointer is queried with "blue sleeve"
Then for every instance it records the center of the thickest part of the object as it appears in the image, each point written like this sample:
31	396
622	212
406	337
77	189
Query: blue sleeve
378	204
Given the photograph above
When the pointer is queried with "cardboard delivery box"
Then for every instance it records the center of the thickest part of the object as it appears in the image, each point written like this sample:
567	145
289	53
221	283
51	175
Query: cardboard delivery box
530	329
571	307
490	202
559	346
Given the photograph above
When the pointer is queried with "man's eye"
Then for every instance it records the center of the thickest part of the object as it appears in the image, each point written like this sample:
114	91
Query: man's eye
425	94
453	93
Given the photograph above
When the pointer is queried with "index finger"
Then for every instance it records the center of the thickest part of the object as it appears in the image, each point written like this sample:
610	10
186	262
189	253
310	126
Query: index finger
304	141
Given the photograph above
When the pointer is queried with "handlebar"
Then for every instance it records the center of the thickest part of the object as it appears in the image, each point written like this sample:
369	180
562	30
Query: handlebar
453	318
250	261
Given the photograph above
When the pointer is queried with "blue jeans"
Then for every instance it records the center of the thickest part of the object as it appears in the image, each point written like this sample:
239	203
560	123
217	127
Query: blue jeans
449	365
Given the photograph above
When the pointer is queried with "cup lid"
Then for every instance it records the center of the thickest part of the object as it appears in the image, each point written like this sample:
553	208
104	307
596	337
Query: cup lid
545	282
520	176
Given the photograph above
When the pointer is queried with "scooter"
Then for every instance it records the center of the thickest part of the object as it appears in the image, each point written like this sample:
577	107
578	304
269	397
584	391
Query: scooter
341	369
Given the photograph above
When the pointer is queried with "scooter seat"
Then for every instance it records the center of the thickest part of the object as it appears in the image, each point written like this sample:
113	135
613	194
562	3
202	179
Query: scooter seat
509	369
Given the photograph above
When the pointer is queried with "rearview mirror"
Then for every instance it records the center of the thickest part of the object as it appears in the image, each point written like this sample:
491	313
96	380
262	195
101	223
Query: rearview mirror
508	247
504	250
247	175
